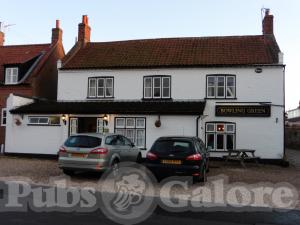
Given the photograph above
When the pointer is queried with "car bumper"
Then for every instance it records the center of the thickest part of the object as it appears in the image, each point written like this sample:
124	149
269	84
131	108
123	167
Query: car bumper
87	164
163	169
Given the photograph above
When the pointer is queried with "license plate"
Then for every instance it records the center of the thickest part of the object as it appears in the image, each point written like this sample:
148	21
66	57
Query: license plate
171	161
78	155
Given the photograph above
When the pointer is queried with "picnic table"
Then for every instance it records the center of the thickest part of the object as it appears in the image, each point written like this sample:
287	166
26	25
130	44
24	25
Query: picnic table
241	155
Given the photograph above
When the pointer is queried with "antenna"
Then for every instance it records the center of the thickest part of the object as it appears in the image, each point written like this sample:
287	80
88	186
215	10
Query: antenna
3	26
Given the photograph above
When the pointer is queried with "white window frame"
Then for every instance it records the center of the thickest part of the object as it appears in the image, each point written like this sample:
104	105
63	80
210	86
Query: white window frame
216	86
89	87
169	87
156	87
125	129
105	87
3	111
38	118
11	75
224	133
151	87
130	126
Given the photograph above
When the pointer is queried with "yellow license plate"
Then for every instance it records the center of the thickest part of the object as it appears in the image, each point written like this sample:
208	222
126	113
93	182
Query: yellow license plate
78	155
174	162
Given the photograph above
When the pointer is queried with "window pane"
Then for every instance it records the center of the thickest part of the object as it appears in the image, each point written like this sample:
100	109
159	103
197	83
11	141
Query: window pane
33	120
100	91
220	141
148	92
109	82
140	123
220	92
130	134
121	131
230	91
220	127
140	138
109	92
120	122
229	141
166	92
148	82
230	81
221	81
130	122
211	81
157	86
230	128
54	120
210	140
210	127
92	87
166	82
43	120
210	91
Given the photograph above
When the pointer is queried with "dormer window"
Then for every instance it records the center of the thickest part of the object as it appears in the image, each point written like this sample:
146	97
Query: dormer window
11	75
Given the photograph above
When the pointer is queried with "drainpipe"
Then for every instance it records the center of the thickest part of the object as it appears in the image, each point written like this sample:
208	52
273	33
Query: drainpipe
197	125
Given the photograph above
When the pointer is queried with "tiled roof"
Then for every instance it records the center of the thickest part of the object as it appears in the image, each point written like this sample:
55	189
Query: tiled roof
192	107
16	54
176	52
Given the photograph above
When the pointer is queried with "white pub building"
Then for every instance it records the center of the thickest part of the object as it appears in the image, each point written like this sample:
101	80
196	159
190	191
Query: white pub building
227	90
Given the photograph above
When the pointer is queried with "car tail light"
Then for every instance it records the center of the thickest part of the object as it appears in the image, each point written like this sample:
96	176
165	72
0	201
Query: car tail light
195	157
62	150
101	151
151	156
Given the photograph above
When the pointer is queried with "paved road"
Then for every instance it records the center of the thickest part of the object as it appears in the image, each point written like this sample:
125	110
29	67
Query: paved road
160	217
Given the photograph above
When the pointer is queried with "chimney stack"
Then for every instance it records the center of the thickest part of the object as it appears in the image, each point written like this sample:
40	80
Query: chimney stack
84	30
268	23
57	33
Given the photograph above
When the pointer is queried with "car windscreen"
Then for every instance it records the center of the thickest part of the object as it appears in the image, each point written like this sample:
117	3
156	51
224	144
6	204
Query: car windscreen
176	146
83	141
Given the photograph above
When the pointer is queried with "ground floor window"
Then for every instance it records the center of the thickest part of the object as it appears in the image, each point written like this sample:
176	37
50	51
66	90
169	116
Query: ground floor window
3	117
134	128
44	120
220	135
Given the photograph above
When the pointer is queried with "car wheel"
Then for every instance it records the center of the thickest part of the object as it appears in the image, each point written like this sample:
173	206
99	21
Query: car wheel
202	179
115	167
139	159
68	172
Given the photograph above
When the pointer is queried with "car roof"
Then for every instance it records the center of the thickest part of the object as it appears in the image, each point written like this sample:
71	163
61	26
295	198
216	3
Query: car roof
94	134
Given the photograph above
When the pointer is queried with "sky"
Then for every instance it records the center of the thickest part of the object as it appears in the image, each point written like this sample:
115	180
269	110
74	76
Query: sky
112	20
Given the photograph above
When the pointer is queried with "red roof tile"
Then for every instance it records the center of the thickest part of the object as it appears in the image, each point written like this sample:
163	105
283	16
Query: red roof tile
176	52
15	54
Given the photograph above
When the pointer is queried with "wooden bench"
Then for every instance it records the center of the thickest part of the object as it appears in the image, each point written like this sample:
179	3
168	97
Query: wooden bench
241	155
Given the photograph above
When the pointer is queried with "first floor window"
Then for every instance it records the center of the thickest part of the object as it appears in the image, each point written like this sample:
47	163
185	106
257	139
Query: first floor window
134	128
157	87
220	86
220	136
3	117
11	75
101	87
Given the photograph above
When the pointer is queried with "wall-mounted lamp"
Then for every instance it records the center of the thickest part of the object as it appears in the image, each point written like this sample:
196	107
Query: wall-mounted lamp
64	119
105	119
157	122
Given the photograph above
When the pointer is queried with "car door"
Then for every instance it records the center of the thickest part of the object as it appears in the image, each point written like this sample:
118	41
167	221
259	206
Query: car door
123	149
132	150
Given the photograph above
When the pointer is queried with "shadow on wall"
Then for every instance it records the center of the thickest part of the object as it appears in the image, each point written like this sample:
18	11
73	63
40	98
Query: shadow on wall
292	137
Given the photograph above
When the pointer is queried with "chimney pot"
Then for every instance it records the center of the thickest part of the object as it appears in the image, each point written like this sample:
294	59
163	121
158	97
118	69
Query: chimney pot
57	24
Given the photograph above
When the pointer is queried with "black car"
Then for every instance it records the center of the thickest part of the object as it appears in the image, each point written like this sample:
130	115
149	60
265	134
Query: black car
179	156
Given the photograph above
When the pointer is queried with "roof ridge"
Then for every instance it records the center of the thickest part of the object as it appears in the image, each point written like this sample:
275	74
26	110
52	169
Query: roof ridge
174	38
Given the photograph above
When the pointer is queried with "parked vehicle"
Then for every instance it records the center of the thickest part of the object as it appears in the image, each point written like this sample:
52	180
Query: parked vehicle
179	156
96	152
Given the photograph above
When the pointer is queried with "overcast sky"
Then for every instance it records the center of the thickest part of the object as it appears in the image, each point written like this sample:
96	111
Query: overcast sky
135	19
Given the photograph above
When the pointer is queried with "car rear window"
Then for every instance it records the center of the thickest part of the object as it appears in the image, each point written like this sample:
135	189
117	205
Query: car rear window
173	146
83	142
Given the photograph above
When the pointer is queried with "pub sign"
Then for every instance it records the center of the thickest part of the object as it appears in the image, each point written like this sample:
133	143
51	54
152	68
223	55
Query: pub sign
243	110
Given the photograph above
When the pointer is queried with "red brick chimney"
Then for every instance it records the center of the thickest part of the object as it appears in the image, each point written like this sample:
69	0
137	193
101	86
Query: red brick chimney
57	33
268	23
84	30
1	38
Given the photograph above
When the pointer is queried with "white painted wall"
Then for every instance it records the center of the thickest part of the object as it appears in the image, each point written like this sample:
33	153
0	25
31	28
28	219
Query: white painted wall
30	139
186	83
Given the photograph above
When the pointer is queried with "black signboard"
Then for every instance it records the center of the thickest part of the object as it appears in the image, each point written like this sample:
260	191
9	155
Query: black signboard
243	110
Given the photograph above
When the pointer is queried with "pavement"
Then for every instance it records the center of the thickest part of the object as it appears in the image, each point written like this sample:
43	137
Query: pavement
293	156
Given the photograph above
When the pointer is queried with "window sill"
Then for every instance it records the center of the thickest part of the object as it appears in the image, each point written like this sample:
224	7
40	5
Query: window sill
100	98
208	98
159	99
